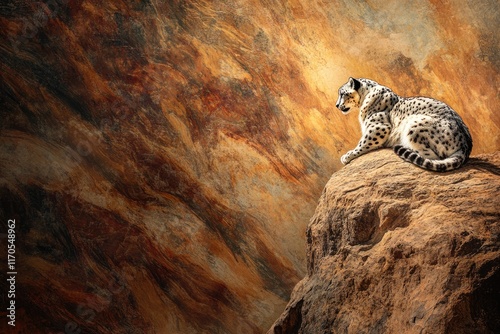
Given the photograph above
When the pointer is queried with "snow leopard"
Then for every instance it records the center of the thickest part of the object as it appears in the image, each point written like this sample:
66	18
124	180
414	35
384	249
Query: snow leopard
421	130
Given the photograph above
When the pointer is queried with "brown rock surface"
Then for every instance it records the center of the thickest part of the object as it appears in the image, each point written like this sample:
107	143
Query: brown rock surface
162	158
396	249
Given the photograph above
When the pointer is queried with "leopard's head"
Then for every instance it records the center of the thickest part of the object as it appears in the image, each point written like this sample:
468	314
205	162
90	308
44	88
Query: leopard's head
349	96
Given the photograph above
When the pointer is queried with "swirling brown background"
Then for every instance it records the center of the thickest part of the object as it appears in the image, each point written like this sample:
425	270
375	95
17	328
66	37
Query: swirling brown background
163	158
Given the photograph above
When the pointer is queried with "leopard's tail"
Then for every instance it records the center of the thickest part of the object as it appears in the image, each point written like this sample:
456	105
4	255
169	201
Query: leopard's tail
454	161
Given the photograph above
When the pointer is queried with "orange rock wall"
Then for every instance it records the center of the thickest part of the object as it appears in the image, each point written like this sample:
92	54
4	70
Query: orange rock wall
179	147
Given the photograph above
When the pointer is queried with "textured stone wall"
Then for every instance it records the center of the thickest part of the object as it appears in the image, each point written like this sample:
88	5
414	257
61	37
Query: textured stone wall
162	158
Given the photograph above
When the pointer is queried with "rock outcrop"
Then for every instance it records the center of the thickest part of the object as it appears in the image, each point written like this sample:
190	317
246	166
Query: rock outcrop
396	249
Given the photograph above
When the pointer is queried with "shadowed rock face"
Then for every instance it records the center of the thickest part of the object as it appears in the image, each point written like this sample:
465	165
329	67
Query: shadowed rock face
162	158
391	249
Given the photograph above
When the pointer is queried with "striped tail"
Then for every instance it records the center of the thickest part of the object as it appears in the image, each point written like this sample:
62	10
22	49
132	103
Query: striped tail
456	160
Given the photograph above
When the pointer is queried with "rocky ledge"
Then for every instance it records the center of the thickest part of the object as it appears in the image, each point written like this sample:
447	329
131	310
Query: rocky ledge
393	248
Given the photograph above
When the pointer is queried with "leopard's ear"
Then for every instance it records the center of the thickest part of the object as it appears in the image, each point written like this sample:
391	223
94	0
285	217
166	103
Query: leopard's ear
354	83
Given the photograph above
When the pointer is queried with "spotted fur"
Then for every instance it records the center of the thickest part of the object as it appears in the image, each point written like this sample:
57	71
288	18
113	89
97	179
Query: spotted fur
421	130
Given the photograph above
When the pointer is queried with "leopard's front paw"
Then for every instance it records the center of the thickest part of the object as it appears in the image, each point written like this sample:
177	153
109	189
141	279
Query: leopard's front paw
346	158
